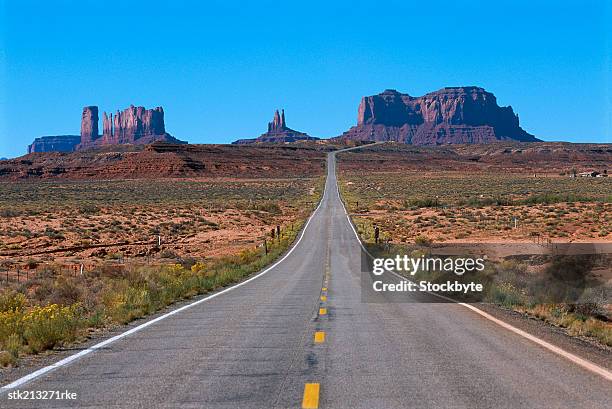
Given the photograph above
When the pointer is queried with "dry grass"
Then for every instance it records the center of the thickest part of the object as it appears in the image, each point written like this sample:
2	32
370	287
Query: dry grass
90	222
212	237
481	207
449	207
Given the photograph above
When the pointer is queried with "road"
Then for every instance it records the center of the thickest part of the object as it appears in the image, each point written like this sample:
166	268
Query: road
254	347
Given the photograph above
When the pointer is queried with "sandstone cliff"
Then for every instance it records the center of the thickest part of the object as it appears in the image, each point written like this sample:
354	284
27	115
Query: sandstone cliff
89	125
448	116
134	125
278	132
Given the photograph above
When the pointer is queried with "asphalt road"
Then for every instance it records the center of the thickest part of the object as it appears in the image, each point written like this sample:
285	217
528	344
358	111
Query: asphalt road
254	347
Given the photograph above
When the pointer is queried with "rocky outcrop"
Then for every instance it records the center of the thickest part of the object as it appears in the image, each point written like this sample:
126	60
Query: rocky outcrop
132	125
55	143
278	123
449	116
278	132
89	125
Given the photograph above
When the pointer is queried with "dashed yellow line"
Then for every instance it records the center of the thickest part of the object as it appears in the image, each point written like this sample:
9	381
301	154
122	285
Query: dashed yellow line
323	298
324	289
322	311
319	337
311	396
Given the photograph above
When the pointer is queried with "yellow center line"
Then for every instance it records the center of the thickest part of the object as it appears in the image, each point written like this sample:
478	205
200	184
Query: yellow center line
324	289
311	396
319	337
323	298
322	311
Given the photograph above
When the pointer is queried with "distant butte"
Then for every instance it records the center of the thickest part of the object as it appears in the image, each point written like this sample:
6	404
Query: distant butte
452	115
134	125
278	132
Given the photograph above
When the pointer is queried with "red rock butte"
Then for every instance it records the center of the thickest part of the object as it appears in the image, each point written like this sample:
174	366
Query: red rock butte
448	116
278	132
133	125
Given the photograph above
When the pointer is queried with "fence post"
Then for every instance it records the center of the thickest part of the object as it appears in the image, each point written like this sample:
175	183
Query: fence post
266	246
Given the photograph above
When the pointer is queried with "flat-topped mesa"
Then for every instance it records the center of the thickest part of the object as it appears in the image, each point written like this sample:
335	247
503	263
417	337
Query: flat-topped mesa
54	143
278	132
450	115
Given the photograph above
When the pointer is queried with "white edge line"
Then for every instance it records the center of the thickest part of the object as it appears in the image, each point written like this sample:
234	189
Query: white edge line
36	374
567	355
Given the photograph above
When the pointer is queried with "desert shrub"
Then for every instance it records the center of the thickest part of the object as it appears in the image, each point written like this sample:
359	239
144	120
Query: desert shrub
39	328
114	256
11	301
43	291
66	291
506	294
198	267
424	202
9	213
46	327
270	207
422	240
13	345
89	209
32	264
167	253
552	198
7	359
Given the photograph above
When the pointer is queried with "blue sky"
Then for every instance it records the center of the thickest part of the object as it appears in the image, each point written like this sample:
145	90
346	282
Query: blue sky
220	68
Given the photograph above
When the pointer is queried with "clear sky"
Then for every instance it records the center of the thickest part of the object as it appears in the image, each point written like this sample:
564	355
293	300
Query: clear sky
220	68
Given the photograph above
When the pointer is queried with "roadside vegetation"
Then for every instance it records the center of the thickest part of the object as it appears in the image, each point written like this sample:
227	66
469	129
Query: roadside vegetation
442	208
59	310
214	234
482	207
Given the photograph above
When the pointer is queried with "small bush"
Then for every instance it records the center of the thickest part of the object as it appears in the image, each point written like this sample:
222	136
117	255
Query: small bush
423	240
270	207
13	345
89	209
46	327
7	359
425	202
168	254
9	213
11	301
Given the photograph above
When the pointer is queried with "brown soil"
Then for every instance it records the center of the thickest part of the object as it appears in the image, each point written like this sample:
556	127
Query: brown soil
169	161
